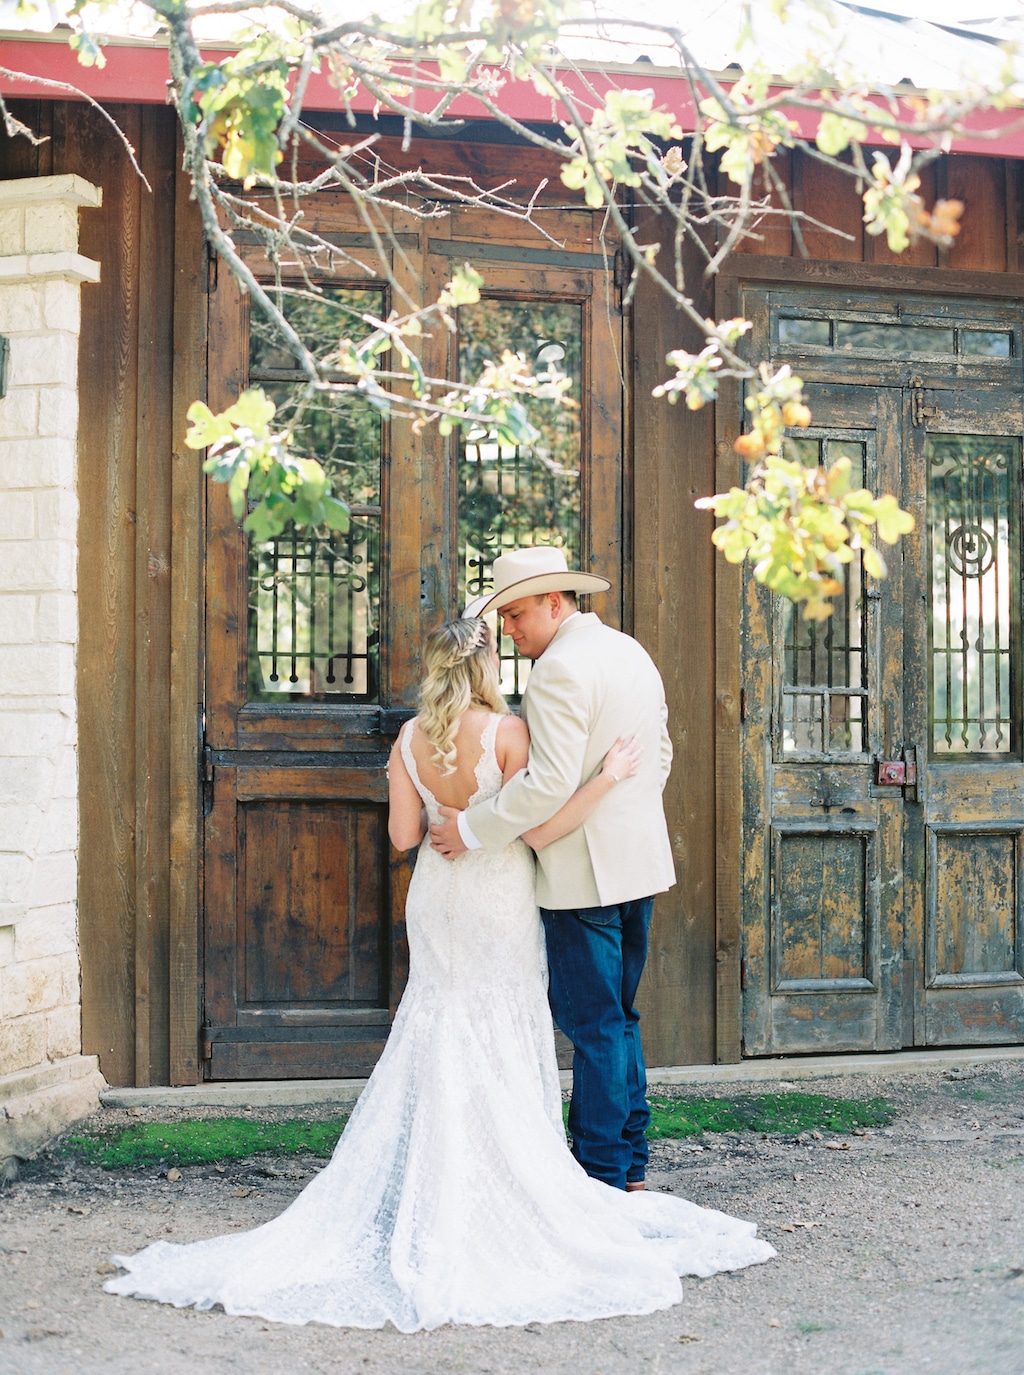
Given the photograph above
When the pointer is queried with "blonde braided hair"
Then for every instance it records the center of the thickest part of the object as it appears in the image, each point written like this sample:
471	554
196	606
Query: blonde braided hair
460	673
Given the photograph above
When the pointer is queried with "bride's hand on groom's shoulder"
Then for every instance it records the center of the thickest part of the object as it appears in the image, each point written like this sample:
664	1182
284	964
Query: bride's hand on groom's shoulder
445	837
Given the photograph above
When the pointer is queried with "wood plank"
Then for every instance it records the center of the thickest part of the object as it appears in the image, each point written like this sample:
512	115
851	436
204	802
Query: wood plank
828	195
673	611
822	905
353	1057
601	443
108	410
1012	182
188	385
221	864
876	277
367	783
773	235
728	789
224	570
981	184
625	573
18	156
578	231
152	608
312	901
922	252
410	589
973	907
517	169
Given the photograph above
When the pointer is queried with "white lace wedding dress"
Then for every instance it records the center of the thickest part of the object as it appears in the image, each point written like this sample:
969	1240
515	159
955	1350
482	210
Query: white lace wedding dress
452	1196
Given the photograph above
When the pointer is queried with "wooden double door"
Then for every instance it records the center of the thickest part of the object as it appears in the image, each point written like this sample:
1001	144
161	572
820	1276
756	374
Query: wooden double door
312	642
883	750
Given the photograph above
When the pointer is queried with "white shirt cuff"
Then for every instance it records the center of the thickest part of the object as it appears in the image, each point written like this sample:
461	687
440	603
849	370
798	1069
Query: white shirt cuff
468	838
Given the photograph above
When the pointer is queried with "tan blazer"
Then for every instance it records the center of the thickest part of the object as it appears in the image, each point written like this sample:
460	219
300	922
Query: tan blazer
591	685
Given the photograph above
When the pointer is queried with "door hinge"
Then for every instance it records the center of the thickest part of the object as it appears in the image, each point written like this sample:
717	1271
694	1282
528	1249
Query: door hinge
919	412
619	268
205	1047
743	975
207	769
210	278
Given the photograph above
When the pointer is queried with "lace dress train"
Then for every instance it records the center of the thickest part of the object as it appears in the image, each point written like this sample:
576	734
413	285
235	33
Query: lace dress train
451	1196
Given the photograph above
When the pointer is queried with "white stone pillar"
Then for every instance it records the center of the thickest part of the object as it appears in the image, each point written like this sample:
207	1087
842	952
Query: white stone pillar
45	1081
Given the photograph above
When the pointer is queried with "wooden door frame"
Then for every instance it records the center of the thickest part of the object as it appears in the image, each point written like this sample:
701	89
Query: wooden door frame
737	271
195	274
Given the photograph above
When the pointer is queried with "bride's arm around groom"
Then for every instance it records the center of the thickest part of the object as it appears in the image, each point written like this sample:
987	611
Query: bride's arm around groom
590	686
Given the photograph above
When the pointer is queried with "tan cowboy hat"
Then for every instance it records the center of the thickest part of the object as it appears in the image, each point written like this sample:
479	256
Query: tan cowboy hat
476	606
531	572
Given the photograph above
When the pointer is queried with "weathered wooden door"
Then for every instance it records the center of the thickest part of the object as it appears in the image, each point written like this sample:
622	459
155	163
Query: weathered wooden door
823	944
883	808
303	957
962	617
312	642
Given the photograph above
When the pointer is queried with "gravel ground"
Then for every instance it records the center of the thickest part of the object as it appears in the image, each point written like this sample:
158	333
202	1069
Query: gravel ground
900	1250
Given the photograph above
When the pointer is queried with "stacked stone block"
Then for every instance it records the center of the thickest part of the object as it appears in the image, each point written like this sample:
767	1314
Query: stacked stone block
44	1079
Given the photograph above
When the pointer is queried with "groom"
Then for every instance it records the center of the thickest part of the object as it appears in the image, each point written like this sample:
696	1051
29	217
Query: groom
589	685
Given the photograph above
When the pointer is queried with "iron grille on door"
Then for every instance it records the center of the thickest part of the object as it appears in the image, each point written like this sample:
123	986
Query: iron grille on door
511	496
314	598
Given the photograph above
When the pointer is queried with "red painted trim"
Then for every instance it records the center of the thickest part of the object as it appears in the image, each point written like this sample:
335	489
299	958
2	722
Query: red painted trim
136	74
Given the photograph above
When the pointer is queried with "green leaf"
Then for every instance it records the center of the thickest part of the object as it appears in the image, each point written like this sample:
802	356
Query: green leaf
891	521
253	409
836	133
238	486
314	481
336	515
207	428
838	481
259	524
87	46
464	287
874	564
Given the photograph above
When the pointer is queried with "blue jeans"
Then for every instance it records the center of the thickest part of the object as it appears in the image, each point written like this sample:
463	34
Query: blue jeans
595	958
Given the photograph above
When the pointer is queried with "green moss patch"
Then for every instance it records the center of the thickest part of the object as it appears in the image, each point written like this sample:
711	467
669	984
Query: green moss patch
220	1140
783	1113
208	1141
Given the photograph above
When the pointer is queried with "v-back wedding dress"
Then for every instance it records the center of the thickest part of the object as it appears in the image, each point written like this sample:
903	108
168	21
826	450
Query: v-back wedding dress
452	1196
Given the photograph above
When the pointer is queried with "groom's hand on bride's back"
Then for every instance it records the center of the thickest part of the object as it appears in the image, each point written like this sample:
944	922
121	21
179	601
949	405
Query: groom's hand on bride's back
445	838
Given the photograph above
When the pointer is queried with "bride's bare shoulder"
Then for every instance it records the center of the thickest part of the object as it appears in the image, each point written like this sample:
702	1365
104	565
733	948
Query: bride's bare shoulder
512	745
513	727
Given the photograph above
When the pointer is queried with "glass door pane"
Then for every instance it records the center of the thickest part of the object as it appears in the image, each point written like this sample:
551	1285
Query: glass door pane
314	598
824	669
973	536
510	496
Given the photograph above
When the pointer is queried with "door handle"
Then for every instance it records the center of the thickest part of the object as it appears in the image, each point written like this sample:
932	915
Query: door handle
899	773
894	773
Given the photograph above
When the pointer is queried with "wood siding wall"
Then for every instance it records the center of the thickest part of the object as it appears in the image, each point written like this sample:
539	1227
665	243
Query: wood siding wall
138	533
691	997
990	189
142	361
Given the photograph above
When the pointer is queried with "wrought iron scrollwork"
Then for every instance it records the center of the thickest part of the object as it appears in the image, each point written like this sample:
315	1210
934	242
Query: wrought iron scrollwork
974	601
313	614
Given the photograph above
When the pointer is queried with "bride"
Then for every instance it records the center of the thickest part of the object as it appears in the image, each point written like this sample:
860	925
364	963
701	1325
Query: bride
452	1196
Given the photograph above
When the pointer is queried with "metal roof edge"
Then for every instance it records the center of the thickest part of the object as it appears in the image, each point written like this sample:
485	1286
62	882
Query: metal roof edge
136	72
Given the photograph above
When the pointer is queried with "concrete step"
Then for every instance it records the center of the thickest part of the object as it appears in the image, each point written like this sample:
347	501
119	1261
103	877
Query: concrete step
343	1093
